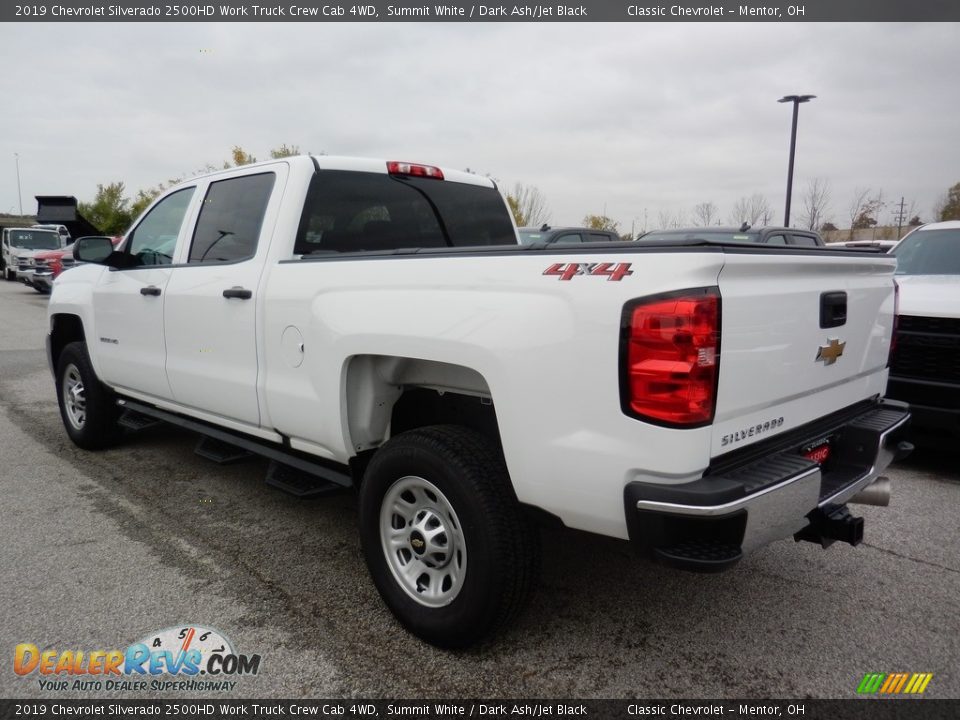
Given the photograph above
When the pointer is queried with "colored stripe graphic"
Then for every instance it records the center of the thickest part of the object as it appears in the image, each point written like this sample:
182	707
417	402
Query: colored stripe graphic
894	683
871	683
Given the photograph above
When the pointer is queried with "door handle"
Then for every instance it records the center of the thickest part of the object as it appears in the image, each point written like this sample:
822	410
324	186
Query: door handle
150	290
238	292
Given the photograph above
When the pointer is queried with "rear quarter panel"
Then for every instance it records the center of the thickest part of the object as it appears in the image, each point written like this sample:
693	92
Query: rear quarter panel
548	350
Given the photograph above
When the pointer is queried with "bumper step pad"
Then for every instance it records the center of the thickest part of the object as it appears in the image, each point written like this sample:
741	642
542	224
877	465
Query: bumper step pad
699	555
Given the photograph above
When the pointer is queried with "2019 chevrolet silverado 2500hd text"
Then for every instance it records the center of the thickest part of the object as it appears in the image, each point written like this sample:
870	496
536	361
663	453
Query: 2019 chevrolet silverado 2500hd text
377	325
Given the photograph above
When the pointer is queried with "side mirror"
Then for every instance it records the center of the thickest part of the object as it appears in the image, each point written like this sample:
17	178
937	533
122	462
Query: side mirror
92	249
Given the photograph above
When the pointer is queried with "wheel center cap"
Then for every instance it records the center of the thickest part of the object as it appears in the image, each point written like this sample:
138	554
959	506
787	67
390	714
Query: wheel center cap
417	542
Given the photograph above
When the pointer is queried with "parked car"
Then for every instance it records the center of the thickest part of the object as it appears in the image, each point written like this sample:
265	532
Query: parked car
925	362
50	264
564	235
743	234
47	265
20	246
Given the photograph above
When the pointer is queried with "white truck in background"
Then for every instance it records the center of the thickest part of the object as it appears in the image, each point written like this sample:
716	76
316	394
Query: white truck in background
375	324
925	364
20	246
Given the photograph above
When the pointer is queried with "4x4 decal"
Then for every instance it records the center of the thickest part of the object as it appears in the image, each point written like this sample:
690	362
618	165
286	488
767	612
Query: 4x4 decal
567	271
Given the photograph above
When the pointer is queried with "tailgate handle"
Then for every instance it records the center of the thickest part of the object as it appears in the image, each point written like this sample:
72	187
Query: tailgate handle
833	309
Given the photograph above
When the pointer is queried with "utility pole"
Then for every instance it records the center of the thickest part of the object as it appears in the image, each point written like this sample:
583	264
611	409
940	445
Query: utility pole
19	195
900	218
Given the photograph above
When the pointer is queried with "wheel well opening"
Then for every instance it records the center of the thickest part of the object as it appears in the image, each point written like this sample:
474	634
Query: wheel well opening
65	329
419	407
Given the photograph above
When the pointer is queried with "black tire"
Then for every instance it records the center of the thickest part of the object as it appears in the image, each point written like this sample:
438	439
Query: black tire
88	409
491	547
7	276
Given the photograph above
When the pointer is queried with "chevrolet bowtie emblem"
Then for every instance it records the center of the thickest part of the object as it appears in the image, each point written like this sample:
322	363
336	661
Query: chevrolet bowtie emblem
831	351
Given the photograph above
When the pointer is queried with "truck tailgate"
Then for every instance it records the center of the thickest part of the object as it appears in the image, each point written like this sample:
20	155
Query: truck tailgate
802	336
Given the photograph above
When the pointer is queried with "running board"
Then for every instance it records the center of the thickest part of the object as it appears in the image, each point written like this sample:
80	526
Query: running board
132	420
326	473
220	452
298	483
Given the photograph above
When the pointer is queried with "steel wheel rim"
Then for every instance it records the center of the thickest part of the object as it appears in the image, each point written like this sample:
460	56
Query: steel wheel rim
74	397
422	540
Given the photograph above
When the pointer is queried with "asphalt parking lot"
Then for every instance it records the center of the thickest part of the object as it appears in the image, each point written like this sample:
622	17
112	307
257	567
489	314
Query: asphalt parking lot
101	549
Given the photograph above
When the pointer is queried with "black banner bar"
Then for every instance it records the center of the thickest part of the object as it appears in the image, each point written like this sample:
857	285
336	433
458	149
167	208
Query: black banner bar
188	709
640	11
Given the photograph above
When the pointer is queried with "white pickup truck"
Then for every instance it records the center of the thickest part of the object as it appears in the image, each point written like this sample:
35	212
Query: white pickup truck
377	325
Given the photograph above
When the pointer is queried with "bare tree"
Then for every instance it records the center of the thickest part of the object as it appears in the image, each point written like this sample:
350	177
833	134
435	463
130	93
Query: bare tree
863	209
751	209
664	219
704	214
816	203
528	206
740	211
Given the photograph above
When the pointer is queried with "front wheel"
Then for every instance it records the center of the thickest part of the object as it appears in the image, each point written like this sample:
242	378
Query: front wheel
87	407
444	537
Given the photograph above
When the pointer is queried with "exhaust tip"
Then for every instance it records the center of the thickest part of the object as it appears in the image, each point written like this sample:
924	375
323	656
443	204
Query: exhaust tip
877	493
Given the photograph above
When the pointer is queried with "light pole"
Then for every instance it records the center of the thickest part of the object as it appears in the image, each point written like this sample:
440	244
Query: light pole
796	100
19	195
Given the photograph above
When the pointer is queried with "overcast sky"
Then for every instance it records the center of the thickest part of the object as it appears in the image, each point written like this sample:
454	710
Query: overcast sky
628	118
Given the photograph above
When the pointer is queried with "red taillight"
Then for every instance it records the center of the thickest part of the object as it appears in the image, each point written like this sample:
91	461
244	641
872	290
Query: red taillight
414	170
896	322
671	356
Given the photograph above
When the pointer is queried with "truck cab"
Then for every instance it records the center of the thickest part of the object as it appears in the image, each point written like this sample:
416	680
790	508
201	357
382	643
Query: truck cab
21	245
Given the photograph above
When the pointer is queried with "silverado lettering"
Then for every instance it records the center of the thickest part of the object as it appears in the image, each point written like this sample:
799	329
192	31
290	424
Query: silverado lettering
750	432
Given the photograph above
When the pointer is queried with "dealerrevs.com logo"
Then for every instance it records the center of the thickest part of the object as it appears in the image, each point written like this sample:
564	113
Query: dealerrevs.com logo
187	658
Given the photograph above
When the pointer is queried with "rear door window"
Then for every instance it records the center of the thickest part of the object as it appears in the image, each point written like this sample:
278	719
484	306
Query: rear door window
600	237
804	240
228	228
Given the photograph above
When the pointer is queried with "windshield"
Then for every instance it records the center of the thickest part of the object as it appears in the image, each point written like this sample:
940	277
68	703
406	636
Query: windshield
529	237
728	236
35	239
929	252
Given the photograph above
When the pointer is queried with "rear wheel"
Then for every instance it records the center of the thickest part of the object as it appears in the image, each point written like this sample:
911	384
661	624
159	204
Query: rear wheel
445	539
87	408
